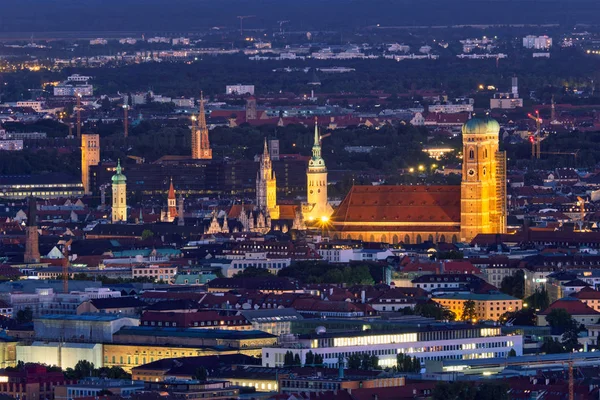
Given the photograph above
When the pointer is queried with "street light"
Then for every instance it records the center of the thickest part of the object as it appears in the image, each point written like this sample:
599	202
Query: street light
421	168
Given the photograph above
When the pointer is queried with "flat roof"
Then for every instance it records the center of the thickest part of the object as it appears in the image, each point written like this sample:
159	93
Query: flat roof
533	359
475	296
435	327
84	317
194	333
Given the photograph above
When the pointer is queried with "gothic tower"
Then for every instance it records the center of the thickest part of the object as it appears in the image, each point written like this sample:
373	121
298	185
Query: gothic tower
200	144
316	206
32	250
119	200
483	180
171	204
90	155
266	185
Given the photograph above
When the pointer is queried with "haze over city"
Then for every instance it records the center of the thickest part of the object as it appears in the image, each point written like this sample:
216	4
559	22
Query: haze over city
282	200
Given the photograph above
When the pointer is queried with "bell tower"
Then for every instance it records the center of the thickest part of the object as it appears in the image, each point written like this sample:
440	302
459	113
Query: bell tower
483	180
317	206
119	200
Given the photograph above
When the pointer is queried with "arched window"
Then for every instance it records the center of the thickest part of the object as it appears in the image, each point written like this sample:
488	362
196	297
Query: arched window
395	239
442	239
430	238
419	240
406	239
360	238
484	153
454	239
383	239
372	238
471	154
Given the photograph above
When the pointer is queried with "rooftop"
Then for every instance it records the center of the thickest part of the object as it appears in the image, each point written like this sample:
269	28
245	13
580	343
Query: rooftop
194	333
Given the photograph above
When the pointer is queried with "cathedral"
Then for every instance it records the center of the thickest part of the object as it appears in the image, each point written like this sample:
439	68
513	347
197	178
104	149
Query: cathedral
266	186
415	214
200	144
171	212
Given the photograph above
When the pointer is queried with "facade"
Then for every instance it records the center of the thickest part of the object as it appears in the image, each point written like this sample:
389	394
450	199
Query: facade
119	201
11	145
66	89
488	307
157	272
256	260
62	354
483	186
435	342
317	206
200	143
91	387
537	42
266	186
90	155
36	106
239	89
93	328
30	382
32	248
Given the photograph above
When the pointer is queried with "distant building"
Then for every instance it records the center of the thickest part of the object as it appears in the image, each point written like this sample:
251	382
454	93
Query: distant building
181	41
45	186
98	42
71	88
488	307
90	155
31	382
128	41
78	78
11	145
537	42
239	89
92	387
36	106
509	100
119	191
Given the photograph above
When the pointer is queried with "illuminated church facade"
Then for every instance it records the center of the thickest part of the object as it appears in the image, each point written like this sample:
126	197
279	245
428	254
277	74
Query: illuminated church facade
415	214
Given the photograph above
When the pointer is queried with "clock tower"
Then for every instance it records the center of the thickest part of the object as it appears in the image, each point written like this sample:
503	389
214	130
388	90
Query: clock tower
483	180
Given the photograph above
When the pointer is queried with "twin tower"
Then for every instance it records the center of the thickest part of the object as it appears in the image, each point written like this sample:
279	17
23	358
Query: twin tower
316	207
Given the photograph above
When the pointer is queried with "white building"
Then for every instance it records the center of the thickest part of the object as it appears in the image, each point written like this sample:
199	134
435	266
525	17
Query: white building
11	145
239	262
78	78
37	106
458	106
537	42
128	41
434	342
159	39
156	272
64	355
181	41
69	89
239	89
98	42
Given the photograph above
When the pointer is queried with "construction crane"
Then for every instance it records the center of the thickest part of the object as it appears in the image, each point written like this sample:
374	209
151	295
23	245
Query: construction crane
242	18
571	388
535	138
281	26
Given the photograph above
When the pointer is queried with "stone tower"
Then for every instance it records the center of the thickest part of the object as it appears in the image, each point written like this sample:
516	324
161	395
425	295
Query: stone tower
119	191
483	180
32	249
171	204
200	144
266	185
251	113
90	155
316	206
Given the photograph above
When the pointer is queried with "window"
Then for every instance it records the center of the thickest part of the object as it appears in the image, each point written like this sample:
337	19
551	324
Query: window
471	154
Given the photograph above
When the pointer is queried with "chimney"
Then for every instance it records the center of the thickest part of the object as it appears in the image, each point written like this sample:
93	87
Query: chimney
363	296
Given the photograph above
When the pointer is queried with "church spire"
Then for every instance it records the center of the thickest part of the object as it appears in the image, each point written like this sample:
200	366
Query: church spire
316	149
266	155
200	142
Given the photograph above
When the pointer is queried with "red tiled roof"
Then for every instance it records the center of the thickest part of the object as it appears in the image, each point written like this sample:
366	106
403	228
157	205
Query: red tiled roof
460	267
587	293
572	306
415	204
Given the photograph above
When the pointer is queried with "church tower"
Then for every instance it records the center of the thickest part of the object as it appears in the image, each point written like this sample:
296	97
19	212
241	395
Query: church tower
32	248
200	144
171	204
316	206
483	186
119	200
90	155
266	185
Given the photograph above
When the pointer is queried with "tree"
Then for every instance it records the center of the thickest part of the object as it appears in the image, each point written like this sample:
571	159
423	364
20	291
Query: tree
514	285
539	300
434	310
354	361
254	272
570	339
560	320
512	353
147	234
288	359
469	313
25	315
404	363
318	359
369	362
552	346
200	374
297	361
310	358
106	104
83	369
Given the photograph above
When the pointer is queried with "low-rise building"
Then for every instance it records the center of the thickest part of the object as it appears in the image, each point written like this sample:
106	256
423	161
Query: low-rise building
488	307
579	311
156	272
439	341
31	382
91	328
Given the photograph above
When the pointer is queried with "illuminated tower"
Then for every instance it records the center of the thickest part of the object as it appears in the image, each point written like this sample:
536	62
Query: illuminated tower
266	185
90	155
32	249
483	191
171	204
200	144
119	191
316	206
